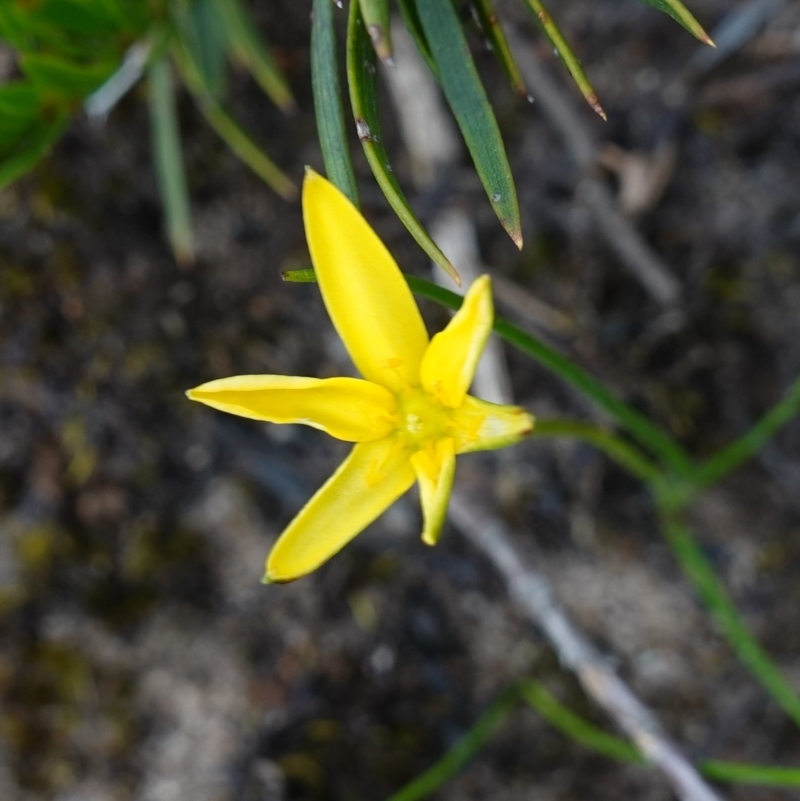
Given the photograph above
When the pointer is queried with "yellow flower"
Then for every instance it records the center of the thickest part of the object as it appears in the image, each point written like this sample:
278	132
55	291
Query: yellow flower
409	417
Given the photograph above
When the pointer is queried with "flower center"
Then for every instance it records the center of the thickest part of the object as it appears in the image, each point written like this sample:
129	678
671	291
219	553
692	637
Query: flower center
421	418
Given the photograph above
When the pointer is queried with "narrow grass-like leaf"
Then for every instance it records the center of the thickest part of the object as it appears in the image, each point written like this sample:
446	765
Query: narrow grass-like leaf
679	12
557	40
593	737
230	131
746	446
714	595
575	727
461	753
467	99
621	451
34	147
375	14
78	17
579	730
249	50
328	101
14	129
761	775
59	76
169	160
201	32
19	99
408	10
362	81
640	427
493	31
24	29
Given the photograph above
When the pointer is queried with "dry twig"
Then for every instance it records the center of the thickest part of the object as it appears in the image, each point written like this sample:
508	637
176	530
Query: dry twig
534	596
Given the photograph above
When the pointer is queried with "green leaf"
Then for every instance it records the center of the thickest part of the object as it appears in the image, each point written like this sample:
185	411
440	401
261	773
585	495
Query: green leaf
408	10
375	14
557	40
13	130
79	17
249	50
200	30
679	12
493	31
169	160
328	101
27	33
19	100
697	567
228	129
34	148
361	78
575	727
61	77
461	753
751	442
467	99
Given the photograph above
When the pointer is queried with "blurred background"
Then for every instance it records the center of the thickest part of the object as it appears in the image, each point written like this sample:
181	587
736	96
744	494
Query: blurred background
140	657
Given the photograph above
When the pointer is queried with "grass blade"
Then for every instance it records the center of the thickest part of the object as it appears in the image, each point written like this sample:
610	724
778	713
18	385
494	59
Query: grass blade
375	14
714	595
557	40
328	100
200	30
169	160
575	727
640	427
461	753
249	50
763	775
593	737
56	75
413	25
624	453
493	31
228	129
681	14
470	106
34	148
746	446
579	730
361	78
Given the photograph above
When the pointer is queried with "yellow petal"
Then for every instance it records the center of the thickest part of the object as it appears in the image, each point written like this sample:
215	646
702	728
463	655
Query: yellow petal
371	479
452	357
435	466
367	297
483	426
347	408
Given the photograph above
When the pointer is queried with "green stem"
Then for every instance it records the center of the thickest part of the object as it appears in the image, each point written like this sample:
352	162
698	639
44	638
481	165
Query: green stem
647	433
716	598
624	453
742	449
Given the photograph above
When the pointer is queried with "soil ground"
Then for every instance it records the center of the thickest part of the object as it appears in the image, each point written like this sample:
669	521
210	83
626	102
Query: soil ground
140	656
